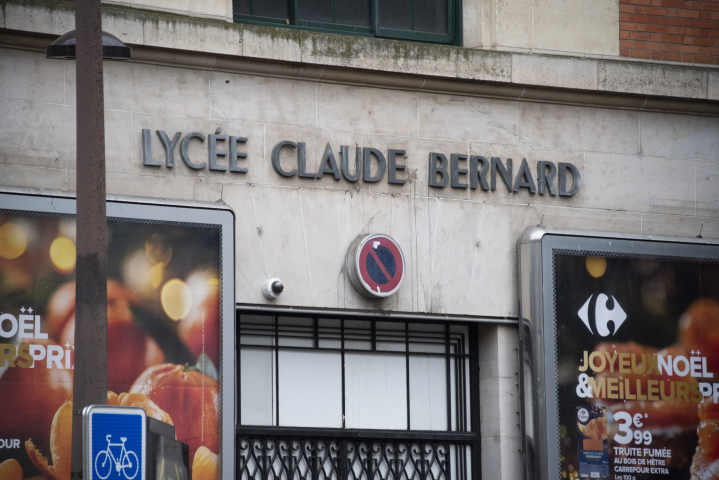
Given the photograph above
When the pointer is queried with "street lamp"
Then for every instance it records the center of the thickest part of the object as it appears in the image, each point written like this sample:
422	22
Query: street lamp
64	48
89	45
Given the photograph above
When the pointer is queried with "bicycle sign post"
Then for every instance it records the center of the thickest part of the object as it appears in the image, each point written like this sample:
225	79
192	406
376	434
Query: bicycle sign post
114	443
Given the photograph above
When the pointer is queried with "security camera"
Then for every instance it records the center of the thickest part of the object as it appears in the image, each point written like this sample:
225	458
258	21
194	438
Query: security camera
272	288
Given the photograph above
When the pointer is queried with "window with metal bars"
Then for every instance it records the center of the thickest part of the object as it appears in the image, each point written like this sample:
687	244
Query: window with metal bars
436	21
356	399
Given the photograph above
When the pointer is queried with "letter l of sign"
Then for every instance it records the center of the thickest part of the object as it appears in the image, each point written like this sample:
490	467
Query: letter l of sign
147	149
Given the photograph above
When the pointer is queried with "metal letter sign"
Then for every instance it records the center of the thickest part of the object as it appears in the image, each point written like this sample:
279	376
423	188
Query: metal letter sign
114	443
376	265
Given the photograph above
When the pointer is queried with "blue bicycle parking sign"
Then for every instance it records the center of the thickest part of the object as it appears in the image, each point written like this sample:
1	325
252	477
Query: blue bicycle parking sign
114	443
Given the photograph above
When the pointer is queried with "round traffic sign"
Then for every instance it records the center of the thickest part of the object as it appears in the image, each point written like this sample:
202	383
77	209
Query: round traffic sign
376	265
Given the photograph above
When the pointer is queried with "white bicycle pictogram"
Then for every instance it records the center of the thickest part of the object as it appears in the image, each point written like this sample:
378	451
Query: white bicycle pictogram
127	461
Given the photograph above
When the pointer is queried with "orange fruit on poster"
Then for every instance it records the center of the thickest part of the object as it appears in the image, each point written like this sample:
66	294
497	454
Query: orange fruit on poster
60	446
205	465
189	397
10	470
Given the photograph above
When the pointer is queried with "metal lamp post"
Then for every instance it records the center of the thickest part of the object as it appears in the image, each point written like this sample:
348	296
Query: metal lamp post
88	44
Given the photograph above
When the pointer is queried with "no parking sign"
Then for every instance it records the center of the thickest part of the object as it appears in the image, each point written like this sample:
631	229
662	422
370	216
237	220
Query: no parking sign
375	265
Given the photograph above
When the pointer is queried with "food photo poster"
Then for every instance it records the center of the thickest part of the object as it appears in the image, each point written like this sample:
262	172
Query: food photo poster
163	297
637	366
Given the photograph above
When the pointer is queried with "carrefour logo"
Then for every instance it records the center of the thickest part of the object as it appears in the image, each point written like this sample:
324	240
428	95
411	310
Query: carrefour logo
602	315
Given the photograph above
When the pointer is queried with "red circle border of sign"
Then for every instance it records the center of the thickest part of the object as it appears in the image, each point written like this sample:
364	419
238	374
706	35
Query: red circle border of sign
361	265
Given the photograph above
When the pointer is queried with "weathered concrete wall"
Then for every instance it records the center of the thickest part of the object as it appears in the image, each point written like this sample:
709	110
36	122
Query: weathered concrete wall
558	26
535	66
499	405
641	172
217	9
546	26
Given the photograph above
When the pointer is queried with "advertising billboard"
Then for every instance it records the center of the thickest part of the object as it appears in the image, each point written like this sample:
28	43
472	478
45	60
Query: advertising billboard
170	304
620	356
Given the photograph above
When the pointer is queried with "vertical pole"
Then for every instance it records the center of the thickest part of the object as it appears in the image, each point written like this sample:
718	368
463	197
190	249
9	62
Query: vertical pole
342	340
449	380
474	399
277	372
90	383
406	371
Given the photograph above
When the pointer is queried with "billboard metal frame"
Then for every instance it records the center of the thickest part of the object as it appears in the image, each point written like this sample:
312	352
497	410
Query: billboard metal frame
538	360
174	211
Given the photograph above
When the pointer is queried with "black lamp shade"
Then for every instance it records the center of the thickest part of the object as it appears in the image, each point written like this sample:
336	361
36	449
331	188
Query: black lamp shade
112	48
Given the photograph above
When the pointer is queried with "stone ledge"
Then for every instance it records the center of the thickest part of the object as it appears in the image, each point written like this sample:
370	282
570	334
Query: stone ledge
391	80
387	63
173	11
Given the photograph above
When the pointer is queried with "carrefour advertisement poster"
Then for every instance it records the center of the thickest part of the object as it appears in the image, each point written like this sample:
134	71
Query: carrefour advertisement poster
638	367
163	336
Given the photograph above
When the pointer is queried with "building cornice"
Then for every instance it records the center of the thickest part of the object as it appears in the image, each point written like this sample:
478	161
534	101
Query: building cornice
201	43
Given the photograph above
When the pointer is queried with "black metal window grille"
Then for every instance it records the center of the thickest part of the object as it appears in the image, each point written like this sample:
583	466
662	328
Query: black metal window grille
273	458
436	21
279	450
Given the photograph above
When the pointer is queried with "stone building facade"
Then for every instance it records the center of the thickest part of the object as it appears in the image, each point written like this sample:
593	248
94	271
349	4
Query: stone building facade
541	80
